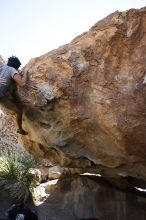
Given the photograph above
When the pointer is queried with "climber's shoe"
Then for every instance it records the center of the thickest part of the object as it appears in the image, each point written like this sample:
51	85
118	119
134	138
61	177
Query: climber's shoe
22	132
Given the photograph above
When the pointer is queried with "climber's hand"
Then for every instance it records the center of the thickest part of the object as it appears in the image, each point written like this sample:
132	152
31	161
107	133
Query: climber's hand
21	73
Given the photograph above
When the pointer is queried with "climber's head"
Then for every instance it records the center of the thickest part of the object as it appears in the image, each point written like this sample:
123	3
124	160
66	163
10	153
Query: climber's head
14	62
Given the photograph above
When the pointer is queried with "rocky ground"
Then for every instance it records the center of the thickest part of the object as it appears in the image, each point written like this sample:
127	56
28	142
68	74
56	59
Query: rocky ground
76	197
83	197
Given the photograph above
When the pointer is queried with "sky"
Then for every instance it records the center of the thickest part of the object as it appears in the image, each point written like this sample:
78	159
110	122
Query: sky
30	28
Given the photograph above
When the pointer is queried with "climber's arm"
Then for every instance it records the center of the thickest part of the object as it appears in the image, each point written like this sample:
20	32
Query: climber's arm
20	78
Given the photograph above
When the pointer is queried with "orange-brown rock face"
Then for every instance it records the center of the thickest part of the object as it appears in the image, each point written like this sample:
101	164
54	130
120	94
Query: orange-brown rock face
85	103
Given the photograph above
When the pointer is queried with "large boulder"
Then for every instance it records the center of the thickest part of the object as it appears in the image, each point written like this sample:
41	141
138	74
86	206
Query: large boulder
80	198
85	102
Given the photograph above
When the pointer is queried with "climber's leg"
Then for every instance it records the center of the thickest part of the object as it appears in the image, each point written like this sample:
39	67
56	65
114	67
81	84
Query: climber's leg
19	113
13	104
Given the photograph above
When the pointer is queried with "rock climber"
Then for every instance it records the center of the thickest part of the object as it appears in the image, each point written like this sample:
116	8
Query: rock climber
9	78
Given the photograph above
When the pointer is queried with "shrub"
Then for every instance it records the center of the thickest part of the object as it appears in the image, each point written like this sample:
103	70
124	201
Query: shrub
14	175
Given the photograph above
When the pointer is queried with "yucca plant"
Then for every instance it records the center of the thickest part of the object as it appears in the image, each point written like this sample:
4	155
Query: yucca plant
14	174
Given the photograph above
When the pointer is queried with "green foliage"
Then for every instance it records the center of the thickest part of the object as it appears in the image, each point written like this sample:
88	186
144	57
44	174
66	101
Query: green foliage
14	175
